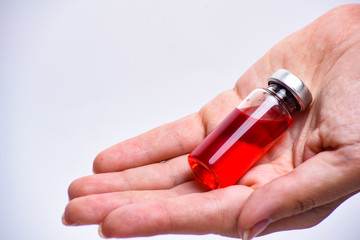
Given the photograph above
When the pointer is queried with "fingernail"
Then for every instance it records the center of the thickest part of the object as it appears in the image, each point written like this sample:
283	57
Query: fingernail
257	228
101	234
65	222
246	235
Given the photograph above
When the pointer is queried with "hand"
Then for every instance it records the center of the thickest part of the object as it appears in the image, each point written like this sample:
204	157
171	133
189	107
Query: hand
311	170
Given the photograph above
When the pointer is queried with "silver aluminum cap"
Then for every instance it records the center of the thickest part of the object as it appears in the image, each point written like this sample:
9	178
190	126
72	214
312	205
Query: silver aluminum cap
293	84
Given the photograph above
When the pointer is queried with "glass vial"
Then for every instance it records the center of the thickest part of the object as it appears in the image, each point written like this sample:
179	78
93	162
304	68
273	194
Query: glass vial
240	140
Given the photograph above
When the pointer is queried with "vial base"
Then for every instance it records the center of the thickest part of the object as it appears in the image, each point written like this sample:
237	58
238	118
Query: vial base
204	174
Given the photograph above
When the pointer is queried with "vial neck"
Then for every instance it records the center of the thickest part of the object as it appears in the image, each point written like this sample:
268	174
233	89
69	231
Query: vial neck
285	97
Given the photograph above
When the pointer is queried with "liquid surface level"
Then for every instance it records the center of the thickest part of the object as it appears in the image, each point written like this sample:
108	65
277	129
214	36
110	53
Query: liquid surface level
235	145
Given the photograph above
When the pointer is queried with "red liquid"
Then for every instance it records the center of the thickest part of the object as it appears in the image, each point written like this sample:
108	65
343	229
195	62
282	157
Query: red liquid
235	145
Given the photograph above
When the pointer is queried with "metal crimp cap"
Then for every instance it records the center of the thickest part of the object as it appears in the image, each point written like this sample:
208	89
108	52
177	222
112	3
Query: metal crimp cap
293	84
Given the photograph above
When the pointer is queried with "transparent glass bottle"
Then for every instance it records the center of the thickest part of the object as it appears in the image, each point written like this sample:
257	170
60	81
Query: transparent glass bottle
243	137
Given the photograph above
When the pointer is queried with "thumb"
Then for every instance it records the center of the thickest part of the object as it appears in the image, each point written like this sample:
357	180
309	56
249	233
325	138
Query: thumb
320	180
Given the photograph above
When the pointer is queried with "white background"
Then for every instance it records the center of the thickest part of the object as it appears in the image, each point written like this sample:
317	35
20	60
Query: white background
79	76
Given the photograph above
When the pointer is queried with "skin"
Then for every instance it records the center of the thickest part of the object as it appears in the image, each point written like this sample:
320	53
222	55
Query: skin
313	168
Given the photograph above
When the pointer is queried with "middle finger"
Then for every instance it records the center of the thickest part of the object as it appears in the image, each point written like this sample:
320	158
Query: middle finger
150	177
92	209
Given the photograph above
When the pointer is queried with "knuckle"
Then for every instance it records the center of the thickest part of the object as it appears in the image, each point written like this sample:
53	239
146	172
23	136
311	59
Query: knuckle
304	205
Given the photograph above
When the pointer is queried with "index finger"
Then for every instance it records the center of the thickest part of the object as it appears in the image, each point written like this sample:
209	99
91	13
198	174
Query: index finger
162	143
168	141
197	213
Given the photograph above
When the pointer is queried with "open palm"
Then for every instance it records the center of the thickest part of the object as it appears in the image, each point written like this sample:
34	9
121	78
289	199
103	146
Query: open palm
144	186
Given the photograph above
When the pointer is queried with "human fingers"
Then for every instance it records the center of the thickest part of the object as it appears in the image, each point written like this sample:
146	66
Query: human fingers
155	176
162	143
199	213
92	209
322	179
167	141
